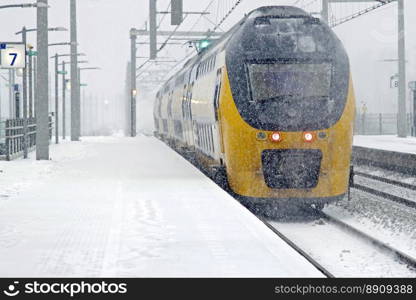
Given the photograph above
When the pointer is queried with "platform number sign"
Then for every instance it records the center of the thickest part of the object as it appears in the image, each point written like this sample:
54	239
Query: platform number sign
12	56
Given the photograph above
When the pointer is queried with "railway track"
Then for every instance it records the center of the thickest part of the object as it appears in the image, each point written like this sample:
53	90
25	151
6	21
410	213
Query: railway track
404	187
329	261
403	257
384	247
298	249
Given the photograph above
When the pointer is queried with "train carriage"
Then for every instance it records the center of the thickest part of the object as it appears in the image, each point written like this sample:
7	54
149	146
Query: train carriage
270	106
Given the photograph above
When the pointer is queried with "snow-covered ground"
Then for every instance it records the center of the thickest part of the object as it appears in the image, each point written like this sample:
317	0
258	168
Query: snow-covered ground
386	142
125	207
341	253
390	222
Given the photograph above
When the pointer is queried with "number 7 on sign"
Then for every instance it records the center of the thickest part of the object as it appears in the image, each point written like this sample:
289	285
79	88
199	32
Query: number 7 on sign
14	58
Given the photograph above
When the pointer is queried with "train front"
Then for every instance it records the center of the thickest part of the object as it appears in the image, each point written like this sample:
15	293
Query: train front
288	108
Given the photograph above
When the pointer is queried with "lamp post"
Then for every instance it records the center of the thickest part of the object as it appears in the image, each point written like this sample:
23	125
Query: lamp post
30	71
64	72
63	100
42	6
11	71
56	57
25	146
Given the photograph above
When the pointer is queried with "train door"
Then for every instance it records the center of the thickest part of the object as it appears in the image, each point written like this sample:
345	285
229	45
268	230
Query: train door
217	97
186	114
170	116
189	119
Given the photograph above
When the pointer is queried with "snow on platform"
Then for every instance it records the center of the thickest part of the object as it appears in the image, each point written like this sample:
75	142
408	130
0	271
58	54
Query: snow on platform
129	208
386	142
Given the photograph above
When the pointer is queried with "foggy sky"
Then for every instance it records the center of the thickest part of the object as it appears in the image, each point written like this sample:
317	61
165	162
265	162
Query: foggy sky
103	32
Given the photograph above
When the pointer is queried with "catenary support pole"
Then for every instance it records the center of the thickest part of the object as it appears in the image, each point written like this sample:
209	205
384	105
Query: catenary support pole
402	121
153	29
63	101
25	141
42	84
75	97
325	11
56	101
35	72
30	70
11	93
79	93
133	91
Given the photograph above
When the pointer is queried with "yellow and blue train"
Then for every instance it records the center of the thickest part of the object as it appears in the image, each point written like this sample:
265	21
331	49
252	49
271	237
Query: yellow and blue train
269	106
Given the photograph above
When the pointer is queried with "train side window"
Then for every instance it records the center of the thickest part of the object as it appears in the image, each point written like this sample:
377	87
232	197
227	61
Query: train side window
209	139
199	135
212	139
183	100
191	90
159	109
205	138
170	102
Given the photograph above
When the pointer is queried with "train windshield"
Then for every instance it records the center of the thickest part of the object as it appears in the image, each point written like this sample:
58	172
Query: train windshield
282	81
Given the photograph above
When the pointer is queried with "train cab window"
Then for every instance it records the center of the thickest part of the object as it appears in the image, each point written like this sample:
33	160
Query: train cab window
289	81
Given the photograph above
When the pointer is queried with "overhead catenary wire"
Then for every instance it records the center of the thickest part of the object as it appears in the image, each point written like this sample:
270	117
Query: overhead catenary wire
360	12
235	3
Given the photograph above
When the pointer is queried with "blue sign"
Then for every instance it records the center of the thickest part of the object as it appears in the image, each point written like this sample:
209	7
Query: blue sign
16	87
3	46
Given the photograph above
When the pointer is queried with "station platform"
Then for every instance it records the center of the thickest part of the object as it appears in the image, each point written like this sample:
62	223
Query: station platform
386	143
122	207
